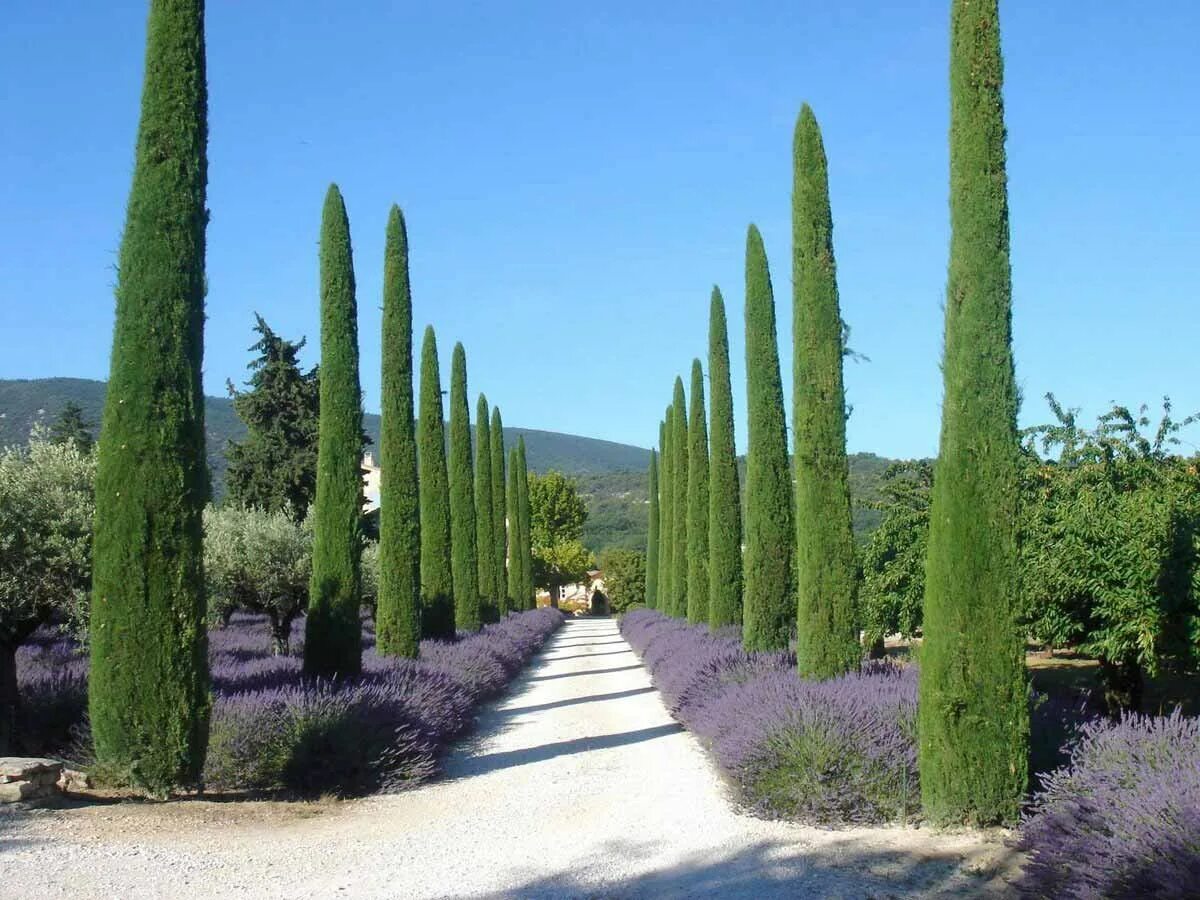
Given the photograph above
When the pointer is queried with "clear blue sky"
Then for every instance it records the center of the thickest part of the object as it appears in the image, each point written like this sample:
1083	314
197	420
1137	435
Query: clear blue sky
576	178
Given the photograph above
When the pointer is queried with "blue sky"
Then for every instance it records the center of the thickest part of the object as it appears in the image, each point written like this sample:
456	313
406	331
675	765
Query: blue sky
576	178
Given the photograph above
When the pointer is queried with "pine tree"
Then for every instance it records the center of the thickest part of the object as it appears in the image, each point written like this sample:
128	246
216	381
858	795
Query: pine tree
697	512
666	516
526	545
71	428
485	542
332	631
652	540
398	608
679	503
826	571
974	721
499	513
724	497
512	513
437	583
768	609
464	552
148	696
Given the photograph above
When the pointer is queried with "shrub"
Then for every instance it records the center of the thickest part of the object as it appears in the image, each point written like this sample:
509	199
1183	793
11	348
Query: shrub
1122	818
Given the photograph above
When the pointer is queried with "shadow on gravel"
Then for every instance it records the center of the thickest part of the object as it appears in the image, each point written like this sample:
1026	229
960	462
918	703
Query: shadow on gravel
573	701
774	869
584	644
584	672
587	655
492	762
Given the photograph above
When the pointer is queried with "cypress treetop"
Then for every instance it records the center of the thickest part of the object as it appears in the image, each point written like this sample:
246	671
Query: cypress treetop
679	503
398	608
826	570
973	710
697	497
526	545
513	506
463	535
499	512
485	542
666	516
437	583
148	690
724	493
768	610
652	539
332	632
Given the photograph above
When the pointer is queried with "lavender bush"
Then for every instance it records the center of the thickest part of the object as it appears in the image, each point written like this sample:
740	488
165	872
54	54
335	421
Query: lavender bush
1122	818
273	730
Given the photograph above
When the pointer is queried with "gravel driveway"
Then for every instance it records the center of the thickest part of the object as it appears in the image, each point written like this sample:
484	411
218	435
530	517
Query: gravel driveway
576	784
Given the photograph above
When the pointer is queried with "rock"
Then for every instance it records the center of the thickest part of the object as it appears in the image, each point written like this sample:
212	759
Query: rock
16	791
26	768
73	781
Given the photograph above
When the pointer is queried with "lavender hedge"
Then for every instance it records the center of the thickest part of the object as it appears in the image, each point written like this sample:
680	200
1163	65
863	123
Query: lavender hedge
1122	818
272	729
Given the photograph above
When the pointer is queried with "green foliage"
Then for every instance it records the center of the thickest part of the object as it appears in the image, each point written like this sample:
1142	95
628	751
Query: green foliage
826	573
464	561
260	561
72	428
561	563
666	504
697	503
275	466
677	599
513	514
616	510
398	610
556	517
437	583
485	540
724	502
524	511
332	633
499	512
651	559
973	711
769	602
625	579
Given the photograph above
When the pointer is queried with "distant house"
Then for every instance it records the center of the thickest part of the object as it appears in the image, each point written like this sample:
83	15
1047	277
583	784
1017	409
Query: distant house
370	483
580	595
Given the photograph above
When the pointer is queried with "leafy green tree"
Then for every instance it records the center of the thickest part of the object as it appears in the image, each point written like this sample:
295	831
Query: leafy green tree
666	515
769	606
625	575
463	535
973	710
275	466
651	560
513	514
72	428
499	512
259	561
559	564
677	600
47	507
149	688
485	541
826	570
697	502
437	582
333	632
524	510
398	608
556	517
724	492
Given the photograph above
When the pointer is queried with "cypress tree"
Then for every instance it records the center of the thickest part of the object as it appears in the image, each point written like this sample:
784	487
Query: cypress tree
485	543
148	695
679	503
523	510
973	711
724	497
464	552
666	517
332	631
398	608
499	513
769	606
697	496
826	572
437	583
512	512
652	539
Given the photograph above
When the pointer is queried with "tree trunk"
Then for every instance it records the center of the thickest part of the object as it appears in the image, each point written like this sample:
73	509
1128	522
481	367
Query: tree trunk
876	649
281	633
555	591
1124	683
9	699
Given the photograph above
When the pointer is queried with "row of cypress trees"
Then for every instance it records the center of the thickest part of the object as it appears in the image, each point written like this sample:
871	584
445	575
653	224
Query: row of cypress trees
799	572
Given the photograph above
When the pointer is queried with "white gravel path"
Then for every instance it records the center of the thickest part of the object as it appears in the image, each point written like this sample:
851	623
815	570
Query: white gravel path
577	784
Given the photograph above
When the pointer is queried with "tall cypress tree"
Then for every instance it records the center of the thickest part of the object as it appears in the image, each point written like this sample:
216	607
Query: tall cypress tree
697	496
666	516
826	573
398	608
523	510
768	609
332	631
679	503
437	582
974	722
464	552
148	694
724	497
485	543
499	513
512	513
652	539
